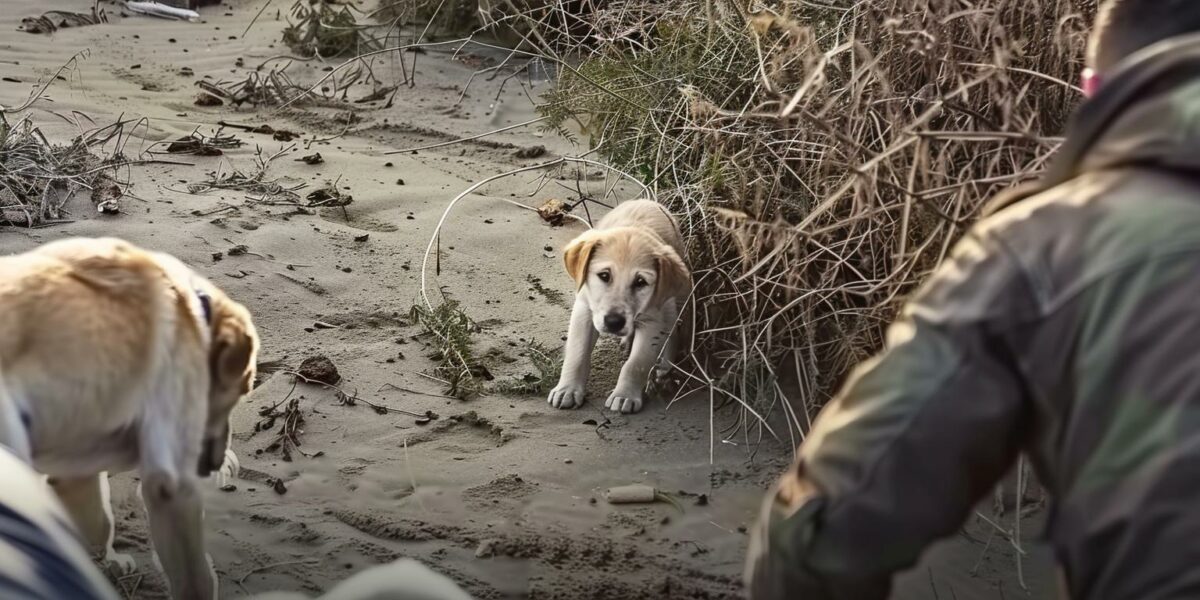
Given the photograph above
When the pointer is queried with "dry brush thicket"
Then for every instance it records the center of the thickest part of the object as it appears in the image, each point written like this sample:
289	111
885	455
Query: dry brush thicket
823	156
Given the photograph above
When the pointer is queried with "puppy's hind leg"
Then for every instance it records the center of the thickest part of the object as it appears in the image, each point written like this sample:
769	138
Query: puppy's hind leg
670	349
577	358
88	501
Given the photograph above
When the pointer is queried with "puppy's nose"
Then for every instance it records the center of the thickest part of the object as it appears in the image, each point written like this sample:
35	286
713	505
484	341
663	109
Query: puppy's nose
614	323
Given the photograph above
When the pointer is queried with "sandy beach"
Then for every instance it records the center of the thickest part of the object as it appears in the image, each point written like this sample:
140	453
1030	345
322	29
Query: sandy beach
501	493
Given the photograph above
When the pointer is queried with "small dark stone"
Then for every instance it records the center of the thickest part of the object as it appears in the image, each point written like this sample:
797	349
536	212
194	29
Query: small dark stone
320	369
530	152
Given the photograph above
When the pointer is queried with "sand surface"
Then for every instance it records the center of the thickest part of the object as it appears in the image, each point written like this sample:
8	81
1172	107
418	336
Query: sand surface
503	494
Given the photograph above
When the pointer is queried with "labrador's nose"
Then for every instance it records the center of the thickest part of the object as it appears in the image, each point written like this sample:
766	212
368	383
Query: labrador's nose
614	322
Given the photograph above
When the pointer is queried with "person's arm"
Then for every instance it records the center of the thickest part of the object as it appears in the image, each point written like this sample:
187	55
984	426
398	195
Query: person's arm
42	556
912	443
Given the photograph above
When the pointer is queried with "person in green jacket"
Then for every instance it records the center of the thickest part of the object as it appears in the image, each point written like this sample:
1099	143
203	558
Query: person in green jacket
1065	326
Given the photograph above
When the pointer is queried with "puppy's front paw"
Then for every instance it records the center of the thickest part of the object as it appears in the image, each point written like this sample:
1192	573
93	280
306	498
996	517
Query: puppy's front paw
229	469
567	395
119	564
662	372
624	402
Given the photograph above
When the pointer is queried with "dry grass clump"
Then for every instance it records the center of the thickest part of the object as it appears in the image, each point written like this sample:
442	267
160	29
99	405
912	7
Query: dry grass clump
511	22
325	29
548	365
452	17
38	178
822	157
453	348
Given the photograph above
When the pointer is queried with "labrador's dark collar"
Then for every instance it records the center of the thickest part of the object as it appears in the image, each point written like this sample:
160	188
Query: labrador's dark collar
205	306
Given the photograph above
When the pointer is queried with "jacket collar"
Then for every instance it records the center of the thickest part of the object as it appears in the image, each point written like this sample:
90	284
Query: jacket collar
1147	113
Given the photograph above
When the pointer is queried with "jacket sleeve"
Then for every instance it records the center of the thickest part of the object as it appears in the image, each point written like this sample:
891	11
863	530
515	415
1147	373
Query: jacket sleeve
914	440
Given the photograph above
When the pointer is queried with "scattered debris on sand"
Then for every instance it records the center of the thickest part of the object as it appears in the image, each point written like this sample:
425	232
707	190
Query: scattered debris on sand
38	179
53	20
287	437
529	152
328	196
269	191
553	211
271	89
199	144
279	135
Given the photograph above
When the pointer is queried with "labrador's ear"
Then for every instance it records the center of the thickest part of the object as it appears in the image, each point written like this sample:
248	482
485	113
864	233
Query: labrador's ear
674	278
234	346
578	254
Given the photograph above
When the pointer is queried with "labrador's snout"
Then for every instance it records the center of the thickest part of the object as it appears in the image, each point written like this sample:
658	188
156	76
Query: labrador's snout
614	323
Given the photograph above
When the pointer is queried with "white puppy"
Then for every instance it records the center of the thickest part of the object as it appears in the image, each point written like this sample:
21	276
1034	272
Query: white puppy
113	358
631	281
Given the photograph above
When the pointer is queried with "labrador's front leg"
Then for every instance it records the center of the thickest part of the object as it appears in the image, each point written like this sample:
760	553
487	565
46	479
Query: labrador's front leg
577	358
174	507
88	501
631	385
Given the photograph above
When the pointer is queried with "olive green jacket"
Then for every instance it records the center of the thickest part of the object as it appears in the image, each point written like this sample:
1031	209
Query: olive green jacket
1065	325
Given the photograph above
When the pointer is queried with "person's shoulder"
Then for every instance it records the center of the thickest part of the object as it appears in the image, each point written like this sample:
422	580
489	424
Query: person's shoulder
1122	206
1096	225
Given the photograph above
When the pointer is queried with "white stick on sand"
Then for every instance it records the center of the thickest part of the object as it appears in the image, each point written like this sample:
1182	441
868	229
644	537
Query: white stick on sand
155	9
631	494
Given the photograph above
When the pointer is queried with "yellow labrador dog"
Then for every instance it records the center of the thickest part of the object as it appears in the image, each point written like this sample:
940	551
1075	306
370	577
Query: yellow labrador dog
631	282
114	358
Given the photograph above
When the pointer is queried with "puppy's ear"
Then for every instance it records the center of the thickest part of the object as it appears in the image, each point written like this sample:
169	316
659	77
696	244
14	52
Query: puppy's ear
674	278
578	254
234	347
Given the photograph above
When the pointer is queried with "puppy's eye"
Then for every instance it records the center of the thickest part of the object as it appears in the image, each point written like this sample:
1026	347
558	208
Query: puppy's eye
604	276
639	283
